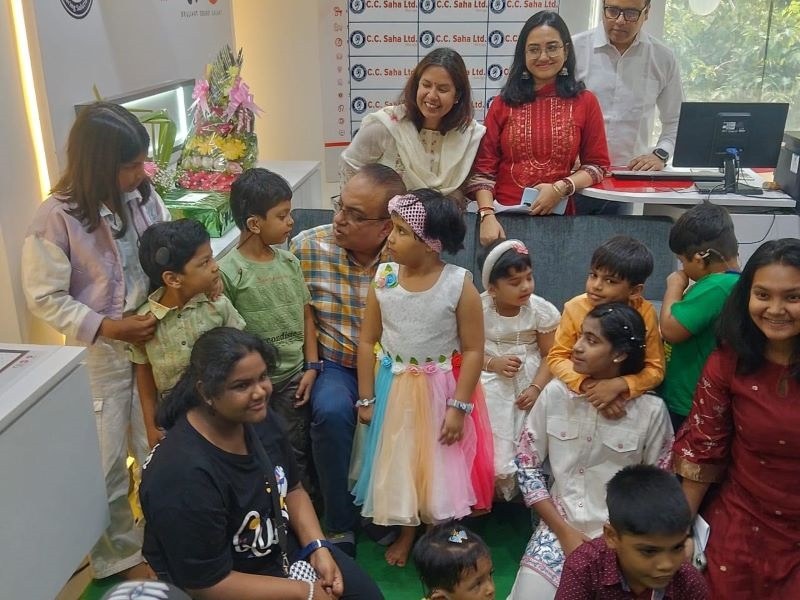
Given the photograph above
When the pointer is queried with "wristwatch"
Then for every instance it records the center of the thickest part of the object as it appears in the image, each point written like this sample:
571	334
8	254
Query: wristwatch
465	406
314	366
662	154
313	547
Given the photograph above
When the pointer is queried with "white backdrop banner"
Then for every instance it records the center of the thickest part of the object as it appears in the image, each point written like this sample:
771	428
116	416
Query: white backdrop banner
369	48
122	46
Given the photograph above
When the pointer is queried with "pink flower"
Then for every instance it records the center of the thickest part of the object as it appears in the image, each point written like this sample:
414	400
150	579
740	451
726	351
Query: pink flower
413	369
150	169
519	248
430	368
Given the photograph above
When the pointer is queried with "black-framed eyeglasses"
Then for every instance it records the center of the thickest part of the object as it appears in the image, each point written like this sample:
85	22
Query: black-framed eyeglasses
631	15
350	215
551	50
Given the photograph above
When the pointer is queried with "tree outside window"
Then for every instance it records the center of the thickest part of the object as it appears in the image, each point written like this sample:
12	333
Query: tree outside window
743	51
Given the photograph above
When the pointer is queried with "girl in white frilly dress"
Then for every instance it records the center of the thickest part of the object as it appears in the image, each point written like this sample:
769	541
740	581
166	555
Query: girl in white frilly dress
519	328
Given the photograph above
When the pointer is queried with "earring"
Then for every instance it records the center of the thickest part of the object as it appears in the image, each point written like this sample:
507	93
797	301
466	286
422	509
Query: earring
211	407
564	71
616	360
525	75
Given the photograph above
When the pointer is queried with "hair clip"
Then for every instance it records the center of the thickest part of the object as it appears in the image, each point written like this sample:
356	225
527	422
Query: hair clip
625	327
458	536
162	256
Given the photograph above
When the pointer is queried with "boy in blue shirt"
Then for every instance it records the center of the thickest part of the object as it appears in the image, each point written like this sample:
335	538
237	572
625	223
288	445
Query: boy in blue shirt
704	241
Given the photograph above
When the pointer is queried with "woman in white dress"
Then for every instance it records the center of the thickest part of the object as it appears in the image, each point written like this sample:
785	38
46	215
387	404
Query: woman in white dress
430	137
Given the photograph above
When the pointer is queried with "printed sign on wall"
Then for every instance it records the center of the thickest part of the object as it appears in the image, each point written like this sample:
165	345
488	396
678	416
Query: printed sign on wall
369	49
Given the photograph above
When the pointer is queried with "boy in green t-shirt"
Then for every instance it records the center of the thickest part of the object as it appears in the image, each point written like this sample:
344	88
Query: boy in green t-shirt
705	243
266	286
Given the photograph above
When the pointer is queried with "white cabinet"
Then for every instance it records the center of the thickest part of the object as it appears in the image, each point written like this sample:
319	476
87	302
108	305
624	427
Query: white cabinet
53	504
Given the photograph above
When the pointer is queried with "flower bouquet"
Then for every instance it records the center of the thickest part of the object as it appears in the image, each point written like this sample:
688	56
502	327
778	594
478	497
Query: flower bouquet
221	143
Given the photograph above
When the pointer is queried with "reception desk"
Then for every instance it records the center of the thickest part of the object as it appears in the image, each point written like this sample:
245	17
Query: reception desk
756	219
53	495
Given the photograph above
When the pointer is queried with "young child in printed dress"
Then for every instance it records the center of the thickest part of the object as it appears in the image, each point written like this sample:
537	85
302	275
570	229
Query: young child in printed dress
454	563
81	275
428	453
519	328
584	448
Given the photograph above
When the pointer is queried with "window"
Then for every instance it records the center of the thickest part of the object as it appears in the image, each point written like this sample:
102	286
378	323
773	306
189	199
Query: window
742	50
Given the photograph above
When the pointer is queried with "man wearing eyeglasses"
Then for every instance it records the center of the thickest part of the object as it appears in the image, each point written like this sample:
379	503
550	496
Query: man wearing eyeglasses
339	261
631	73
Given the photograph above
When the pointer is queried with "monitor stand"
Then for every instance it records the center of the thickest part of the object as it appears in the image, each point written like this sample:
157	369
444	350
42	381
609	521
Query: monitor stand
730	184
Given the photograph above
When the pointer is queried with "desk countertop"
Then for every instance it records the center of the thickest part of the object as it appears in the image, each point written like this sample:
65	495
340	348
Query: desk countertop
682	193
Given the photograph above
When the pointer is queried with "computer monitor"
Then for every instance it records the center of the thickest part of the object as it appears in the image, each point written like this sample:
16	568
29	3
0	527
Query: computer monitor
730	135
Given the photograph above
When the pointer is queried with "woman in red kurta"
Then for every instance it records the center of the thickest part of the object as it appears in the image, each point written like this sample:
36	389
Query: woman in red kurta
541	125
744	433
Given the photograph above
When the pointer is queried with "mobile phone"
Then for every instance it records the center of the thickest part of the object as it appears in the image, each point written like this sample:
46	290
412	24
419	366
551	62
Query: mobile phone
560	208
529	196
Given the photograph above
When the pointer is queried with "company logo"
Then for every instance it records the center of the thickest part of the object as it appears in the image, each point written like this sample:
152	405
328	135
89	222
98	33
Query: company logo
359	105
358	39
357	6
496	39
426	39
358	73
495	72
497	6
427	6
77	9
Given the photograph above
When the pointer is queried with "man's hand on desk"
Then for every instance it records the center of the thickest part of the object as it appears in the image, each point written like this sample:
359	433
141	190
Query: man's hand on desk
646	162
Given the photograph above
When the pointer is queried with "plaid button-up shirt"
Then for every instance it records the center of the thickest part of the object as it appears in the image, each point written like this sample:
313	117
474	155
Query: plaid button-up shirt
338	286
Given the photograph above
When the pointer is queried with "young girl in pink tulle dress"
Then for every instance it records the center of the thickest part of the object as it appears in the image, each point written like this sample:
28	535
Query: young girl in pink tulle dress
428	454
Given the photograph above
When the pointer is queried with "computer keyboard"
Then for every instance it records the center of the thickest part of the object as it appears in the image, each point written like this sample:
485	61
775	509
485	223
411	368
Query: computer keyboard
674	174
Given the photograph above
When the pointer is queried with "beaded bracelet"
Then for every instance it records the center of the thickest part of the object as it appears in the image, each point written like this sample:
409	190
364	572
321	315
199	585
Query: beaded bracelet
310	590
